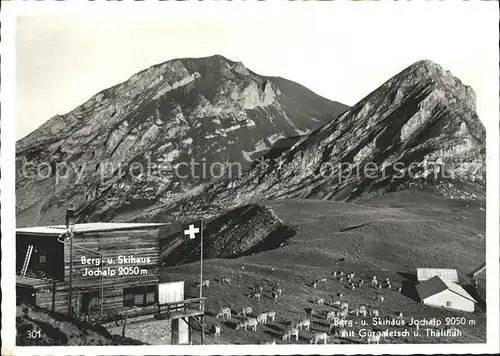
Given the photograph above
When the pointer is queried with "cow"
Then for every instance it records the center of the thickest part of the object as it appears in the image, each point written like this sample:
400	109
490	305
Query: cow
341	333
204	284
217	330
317	337
306	324
224	312
319	301
250	322
362	310
254	295
225	280
373	339
245	311
274	295
343	313
271	315
257	288
277	291
331	315
262	318
289	332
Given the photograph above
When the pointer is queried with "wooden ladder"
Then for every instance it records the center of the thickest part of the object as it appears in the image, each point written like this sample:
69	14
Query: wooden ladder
27	260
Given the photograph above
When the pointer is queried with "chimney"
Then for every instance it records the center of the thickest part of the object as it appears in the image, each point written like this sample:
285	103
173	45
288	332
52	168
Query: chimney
70	218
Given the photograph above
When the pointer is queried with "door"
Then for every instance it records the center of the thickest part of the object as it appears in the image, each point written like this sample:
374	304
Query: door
89	305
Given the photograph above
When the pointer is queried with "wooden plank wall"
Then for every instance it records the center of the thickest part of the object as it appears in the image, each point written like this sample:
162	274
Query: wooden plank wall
138	243
54	298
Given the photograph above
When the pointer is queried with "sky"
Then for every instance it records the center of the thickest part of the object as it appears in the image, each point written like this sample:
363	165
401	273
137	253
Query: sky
342	51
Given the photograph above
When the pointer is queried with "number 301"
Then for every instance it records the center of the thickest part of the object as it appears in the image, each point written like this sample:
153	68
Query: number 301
34	334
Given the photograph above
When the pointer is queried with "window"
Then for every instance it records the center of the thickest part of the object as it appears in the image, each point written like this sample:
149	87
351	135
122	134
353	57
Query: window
150	295
42	259
139	296
448	303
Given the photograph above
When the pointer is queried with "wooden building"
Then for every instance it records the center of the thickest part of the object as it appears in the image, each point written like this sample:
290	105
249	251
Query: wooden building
111	271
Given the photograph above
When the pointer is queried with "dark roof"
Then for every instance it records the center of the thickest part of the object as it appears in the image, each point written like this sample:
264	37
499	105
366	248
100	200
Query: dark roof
430	287
436	285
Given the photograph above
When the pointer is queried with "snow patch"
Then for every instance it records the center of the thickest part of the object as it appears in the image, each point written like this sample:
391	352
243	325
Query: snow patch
221	132
291	123
232	128
260	147
170	156
275	138
167	87
302	133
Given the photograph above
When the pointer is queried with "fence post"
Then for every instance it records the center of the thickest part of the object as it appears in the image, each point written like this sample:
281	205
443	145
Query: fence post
124	323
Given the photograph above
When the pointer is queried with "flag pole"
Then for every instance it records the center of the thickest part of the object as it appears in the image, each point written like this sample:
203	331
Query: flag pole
201	261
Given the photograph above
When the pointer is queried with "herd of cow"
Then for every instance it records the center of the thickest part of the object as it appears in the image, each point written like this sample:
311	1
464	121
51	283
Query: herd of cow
335	317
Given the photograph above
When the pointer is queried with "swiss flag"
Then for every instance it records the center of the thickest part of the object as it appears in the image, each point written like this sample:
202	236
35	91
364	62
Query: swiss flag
191	231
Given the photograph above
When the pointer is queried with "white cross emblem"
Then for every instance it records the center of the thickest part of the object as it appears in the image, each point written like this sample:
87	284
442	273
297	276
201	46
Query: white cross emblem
192	231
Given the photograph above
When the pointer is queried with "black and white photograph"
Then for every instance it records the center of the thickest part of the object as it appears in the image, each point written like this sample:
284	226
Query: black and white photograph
302	175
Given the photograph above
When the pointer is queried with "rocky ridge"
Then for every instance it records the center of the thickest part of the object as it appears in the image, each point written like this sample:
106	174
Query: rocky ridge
418	129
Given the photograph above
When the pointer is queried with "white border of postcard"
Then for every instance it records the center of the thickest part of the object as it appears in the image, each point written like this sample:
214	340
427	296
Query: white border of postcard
11	10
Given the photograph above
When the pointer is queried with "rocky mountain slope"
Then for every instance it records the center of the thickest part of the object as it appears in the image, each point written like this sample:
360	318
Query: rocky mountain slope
243	231
206	110
419	129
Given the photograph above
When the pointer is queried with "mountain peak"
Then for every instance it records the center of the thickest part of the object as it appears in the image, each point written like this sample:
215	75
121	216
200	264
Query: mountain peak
428	68
184	110
428	64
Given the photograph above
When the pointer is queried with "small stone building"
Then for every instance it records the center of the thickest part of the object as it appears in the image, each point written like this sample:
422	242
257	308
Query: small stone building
439	293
